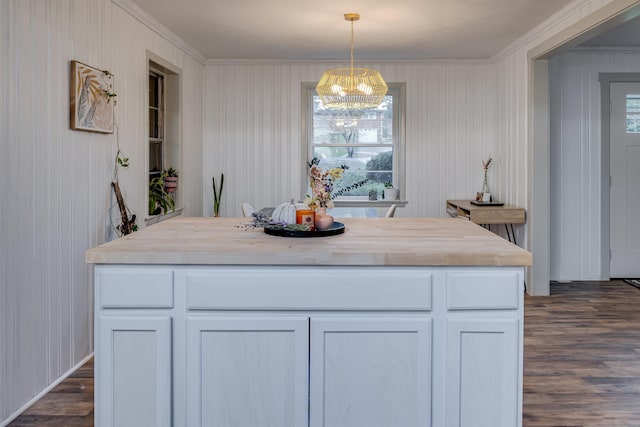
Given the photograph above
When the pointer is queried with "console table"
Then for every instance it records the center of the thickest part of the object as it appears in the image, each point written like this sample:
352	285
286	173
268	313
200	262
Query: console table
487	215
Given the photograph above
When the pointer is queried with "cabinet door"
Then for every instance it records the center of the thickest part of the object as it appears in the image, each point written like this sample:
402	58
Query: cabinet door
370	372
133	371
247	371
482	373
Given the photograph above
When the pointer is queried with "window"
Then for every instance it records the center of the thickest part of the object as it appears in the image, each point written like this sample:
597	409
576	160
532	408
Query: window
164	118
368	142
156	124
633	113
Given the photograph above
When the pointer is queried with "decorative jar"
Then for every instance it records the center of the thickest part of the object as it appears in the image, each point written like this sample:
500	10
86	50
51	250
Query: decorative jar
323	219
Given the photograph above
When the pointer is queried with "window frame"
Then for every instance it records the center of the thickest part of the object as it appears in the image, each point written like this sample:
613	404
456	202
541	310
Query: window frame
172	111
160	123
398	91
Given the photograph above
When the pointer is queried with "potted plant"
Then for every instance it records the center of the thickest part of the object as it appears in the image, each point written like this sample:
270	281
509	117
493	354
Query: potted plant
170	180
391	193
160	201
217	194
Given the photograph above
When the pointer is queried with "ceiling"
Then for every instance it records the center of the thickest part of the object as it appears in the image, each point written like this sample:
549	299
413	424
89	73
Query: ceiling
316	30
624	35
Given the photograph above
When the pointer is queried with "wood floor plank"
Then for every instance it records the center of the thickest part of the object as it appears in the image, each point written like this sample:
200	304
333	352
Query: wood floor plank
581	363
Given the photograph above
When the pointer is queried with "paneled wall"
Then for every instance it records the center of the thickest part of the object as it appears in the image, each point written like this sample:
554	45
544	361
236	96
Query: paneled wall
576	158
56	194
253	131
513	115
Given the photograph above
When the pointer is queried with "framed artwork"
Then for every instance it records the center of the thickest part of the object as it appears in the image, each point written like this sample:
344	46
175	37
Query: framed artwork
92	98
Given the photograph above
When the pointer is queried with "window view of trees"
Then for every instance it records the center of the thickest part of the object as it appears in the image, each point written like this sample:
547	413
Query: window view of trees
362	140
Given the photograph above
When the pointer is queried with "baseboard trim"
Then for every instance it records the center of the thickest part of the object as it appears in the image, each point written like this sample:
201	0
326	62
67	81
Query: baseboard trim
45	391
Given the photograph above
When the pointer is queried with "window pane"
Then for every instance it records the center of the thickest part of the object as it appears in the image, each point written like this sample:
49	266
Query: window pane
153	123
362	140
155	157
153	91
373	164
633	113
373	126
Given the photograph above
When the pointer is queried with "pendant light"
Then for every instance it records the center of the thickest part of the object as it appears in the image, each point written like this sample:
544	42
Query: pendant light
351	88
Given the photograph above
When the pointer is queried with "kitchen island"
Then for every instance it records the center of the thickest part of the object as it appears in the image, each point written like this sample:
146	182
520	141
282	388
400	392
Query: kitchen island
397	322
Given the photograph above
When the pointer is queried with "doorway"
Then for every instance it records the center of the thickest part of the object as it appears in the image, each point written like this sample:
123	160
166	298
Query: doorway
624	191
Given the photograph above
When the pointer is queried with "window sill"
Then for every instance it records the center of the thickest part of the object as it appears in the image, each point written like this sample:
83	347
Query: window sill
364	202
154	219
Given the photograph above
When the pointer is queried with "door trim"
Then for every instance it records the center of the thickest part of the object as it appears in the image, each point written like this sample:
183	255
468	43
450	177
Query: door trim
605	157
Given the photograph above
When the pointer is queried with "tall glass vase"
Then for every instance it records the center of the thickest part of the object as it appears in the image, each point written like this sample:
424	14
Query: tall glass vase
485	186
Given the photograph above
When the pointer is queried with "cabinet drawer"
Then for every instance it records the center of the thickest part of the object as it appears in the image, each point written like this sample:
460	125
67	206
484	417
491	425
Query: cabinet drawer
483	291
135	288
309	289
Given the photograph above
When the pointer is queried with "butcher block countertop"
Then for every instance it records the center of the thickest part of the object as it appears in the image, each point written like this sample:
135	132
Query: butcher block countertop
366	241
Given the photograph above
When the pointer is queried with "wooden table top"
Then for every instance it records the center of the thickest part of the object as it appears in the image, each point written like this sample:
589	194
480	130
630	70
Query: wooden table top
371	241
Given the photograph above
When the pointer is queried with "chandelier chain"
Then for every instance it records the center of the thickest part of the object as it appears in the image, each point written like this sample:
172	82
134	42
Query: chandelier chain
352	48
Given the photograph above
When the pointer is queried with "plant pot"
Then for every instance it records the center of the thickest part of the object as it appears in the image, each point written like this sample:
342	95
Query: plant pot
171	183
391	193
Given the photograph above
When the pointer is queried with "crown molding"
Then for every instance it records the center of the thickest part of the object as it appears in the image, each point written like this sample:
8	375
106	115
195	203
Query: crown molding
550	25
145	19
341	62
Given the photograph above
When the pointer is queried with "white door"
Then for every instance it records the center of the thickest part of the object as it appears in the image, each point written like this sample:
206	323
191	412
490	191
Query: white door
247	371
482	373
133	371
625	180
370	372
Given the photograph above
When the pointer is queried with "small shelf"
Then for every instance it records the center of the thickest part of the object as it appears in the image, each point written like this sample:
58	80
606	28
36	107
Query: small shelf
364	202
154	219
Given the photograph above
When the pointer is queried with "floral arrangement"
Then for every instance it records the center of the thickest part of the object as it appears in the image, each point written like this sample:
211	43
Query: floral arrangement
486	163
322	183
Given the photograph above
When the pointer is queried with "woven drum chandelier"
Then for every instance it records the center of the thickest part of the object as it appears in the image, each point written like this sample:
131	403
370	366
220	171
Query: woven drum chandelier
351	88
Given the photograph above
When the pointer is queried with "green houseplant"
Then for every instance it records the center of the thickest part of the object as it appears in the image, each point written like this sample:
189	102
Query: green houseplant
217	194
160	200
171	180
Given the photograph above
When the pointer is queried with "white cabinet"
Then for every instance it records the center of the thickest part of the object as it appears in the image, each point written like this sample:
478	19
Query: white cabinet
482	385
133	371
302	346
254	371
370	372
247	371
133	365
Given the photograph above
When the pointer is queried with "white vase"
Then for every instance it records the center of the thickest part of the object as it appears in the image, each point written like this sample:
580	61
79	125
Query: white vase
391	193
323	219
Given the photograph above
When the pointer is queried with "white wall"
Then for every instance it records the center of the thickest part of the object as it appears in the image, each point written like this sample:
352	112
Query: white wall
253	131
56	191
576	159
513	116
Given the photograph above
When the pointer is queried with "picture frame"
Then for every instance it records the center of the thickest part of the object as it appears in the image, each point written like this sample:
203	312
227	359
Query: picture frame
91	99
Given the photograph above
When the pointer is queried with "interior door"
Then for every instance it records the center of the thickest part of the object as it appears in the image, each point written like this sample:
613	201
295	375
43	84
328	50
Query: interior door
625	180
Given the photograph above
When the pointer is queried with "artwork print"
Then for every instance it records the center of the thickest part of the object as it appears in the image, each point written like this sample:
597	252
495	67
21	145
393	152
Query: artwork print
91	98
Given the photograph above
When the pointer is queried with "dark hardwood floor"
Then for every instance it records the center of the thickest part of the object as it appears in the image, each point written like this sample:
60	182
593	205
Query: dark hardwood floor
581	363
70	404
582	356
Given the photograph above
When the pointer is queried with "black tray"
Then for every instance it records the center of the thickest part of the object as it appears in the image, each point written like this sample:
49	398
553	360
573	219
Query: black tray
481	203
335	229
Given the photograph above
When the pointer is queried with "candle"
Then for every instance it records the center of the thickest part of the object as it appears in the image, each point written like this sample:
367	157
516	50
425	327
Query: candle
306	217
